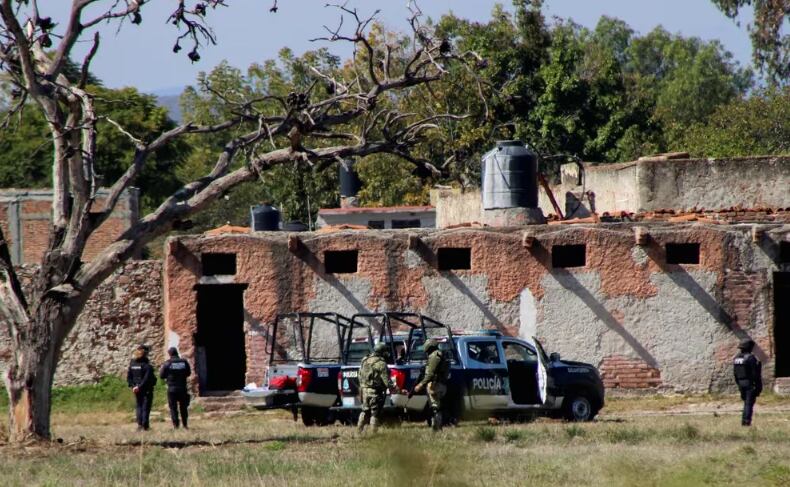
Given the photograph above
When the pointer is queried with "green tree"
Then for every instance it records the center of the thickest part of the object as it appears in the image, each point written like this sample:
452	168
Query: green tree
26	157
770	33
757	125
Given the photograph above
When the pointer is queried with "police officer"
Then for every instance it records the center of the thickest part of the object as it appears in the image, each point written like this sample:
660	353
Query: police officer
437	373
175	372
748	376
374	381
141	377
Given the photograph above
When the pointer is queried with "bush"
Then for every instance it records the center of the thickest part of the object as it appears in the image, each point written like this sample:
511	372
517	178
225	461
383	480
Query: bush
687	432
626	435
485	433
513	435
574	431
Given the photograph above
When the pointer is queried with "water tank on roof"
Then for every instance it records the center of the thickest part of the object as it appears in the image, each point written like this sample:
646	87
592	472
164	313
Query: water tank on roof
510	176
264	218
350	183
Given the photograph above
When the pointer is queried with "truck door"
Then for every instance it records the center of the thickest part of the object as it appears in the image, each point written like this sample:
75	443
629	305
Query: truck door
486	374
522	367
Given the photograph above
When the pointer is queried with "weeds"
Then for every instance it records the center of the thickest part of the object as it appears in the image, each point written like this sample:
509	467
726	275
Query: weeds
485	433
687	432
627	434
575	431
513	435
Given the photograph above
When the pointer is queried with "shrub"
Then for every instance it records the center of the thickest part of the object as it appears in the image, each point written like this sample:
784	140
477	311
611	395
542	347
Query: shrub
485	433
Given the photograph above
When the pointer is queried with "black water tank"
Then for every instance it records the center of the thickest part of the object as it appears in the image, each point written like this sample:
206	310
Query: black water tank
264	218
349	179
510	176
295	226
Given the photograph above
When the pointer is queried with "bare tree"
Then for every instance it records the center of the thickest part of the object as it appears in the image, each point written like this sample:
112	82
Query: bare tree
308	129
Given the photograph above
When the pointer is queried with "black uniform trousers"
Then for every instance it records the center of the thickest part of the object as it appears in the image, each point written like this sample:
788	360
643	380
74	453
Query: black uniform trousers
749	396
178	400
145	400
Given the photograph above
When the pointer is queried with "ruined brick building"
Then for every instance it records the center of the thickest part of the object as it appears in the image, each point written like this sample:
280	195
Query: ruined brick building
667	265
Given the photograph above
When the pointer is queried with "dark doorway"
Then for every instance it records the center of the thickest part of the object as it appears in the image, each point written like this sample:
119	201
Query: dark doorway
221	358
782	323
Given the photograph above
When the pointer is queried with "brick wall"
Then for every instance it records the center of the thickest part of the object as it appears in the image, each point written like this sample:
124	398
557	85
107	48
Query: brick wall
646	323
25	217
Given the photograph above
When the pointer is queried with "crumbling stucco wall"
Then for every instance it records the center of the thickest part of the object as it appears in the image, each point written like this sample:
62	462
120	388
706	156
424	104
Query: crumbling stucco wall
650	184
124	311
751	182
645	323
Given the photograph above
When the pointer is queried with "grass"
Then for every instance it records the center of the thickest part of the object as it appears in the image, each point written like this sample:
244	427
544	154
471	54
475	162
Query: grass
100	447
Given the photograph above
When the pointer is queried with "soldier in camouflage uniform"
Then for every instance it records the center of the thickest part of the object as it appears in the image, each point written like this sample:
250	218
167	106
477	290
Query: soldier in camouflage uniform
437	372
374	380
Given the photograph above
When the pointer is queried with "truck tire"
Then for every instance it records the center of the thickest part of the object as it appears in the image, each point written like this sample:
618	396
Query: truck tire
308	416
578	408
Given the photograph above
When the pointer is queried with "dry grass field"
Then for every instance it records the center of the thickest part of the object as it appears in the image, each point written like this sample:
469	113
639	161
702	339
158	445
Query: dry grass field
659	441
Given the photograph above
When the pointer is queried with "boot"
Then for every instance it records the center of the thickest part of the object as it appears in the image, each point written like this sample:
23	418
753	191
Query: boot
363	419
437	421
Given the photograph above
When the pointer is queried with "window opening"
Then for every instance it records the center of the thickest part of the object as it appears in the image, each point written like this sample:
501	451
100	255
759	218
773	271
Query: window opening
406	223
340	261
563	256
682	253
215	264
454	258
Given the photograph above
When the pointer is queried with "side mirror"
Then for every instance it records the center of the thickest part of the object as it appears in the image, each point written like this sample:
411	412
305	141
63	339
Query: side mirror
554	357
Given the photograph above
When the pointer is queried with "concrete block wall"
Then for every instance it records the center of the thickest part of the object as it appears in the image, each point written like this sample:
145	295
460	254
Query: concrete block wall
645	323
124	311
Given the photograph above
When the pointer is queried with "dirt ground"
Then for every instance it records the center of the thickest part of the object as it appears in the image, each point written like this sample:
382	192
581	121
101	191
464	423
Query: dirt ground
638	441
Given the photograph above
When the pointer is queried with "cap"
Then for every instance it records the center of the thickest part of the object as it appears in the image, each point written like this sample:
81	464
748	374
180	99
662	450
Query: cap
747	344
172	351
380	347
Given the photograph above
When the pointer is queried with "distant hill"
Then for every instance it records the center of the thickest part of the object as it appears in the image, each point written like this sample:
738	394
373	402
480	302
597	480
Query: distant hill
171	103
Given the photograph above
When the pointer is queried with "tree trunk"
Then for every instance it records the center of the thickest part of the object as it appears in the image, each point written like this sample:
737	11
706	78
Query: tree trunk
32	368
29	385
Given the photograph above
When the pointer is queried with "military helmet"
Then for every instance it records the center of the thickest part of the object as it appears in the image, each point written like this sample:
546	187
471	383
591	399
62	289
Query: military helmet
381	348
747	344
430	345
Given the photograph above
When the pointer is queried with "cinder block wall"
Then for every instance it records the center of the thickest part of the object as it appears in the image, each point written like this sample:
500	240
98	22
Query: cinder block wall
647	324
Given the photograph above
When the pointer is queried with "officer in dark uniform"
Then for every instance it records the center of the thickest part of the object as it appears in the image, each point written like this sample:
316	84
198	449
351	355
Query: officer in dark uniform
175	371
748	376
141	377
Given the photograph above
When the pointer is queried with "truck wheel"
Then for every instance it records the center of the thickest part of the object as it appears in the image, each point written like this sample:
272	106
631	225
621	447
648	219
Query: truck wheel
578	408
324	417
308	416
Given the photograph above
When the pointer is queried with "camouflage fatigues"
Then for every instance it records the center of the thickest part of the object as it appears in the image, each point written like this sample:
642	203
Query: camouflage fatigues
374	380
437	372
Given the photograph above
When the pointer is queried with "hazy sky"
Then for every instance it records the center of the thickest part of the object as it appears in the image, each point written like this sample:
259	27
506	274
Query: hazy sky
141	55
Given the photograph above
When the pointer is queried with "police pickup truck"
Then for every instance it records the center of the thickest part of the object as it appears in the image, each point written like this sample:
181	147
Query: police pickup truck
490	375
304	360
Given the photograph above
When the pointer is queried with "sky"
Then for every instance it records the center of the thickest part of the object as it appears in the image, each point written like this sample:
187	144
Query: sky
247	32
